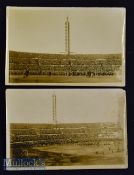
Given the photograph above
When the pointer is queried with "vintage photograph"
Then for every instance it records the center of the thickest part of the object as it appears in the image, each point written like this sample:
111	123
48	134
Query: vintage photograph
65	46
87	131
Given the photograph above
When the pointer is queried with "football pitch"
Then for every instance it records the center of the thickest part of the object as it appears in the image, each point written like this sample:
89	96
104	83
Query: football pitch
69	155
62	79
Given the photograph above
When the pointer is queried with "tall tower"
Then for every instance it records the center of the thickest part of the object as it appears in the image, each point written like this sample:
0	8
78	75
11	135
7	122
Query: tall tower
54	108
67	36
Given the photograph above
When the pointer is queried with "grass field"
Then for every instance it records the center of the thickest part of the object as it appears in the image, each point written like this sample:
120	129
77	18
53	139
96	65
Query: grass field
62	79
68	155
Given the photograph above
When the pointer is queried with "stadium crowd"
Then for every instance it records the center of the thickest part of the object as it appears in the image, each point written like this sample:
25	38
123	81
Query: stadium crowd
58	134
65	65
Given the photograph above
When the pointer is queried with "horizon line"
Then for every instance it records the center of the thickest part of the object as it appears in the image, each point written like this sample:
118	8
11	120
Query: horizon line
65	123
64	53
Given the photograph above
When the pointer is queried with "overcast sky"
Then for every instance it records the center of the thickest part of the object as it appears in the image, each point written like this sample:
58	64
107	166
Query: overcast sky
92	30
35	106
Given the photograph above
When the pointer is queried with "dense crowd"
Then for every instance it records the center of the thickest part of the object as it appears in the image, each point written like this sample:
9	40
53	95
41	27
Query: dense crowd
66	65
64	135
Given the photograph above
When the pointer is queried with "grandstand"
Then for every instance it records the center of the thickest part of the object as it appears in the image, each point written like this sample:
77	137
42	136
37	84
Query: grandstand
86	66
67	141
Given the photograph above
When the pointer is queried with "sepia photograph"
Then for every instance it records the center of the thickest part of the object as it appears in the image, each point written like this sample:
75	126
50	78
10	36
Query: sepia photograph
65	46
87	131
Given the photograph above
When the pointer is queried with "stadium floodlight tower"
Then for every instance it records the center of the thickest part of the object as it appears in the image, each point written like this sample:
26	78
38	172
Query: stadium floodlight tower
67	36
54	109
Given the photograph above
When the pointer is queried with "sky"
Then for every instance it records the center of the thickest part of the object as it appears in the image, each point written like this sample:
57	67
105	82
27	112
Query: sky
73	105
92	30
